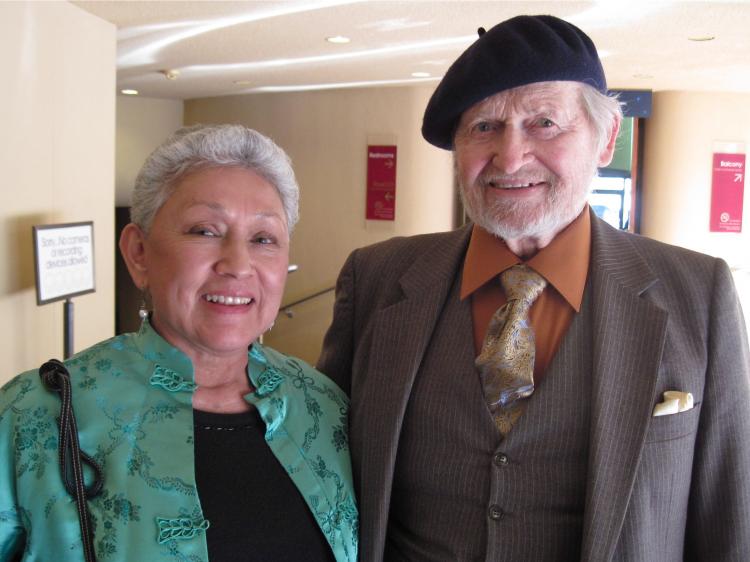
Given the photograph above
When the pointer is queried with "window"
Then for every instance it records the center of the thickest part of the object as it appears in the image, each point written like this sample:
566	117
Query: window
611	199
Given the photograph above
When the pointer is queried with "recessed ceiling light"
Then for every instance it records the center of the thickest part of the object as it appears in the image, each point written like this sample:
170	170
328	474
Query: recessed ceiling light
338	39
702	38
420	74
129	92
170	73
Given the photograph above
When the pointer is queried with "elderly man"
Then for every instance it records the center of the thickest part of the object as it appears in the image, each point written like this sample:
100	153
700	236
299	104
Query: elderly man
537	385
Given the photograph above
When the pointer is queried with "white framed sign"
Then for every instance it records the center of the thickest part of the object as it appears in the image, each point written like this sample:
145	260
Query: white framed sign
63	260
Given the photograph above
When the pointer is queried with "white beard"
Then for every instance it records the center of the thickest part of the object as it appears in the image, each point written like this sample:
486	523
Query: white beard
510	220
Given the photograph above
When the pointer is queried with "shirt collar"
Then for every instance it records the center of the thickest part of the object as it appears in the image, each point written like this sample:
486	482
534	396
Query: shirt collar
563	263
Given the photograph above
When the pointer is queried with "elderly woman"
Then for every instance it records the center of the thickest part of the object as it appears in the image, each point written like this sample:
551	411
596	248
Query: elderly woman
197	443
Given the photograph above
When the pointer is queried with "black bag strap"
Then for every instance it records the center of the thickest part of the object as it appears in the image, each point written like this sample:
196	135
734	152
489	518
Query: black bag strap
56	378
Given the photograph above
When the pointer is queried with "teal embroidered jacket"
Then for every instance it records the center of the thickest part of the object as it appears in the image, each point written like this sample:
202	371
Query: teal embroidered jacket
132	397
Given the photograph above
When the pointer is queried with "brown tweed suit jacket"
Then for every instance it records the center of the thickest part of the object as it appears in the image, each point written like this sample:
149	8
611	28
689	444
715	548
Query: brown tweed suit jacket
664	318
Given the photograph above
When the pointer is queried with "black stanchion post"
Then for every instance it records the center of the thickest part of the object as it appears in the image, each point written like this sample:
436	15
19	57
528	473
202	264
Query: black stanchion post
68	328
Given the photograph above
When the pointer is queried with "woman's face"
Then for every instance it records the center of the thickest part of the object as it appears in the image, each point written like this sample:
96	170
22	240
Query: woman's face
216	262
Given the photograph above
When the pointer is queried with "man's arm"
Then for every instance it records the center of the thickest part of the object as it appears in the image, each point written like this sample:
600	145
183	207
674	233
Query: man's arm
338	345
718	526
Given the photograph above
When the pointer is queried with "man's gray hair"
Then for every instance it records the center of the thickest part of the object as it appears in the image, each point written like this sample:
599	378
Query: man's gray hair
211	146
602	110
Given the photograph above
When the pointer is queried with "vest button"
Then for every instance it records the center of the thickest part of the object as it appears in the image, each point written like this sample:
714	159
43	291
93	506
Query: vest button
501	459
495	513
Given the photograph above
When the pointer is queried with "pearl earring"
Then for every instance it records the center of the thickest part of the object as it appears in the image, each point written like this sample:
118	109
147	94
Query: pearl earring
143	308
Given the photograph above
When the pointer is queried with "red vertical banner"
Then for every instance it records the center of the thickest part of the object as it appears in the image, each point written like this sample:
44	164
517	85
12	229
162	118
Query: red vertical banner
381	182
727	191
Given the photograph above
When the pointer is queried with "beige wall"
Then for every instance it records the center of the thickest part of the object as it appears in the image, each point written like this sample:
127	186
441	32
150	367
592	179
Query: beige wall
326	134
57	162
679	145
142	125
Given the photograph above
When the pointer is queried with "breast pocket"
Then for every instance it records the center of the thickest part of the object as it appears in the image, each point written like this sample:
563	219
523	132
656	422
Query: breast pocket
673	426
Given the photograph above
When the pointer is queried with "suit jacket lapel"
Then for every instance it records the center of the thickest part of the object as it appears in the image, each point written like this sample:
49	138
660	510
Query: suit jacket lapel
400	334
628	340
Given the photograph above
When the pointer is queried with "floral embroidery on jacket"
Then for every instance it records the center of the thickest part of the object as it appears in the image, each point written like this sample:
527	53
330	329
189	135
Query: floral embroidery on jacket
142	437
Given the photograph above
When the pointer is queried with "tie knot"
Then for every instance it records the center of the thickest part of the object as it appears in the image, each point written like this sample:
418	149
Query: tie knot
522	283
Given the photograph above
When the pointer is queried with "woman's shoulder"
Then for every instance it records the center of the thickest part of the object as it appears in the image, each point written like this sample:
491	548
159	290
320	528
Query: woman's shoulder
28	386
109	348
23	390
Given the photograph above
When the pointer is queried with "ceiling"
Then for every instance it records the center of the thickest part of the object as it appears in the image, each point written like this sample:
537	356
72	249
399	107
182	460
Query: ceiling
222	48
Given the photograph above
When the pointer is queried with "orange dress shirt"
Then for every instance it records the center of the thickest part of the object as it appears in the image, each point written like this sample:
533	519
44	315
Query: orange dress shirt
564	263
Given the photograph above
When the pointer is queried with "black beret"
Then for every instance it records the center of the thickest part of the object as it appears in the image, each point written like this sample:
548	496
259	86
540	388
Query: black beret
518	51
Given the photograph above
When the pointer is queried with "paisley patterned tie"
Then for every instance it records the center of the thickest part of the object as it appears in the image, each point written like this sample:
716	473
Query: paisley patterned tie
506	363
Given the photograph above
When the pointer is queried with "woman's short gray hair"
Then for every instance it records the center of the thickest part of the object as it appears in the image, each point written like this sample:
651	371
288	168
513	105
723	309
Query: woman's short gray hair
602	110
211	146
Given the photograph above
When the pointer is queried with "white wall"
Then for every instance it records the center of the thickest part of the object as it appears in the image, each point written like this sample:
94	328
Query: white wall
142	125
57	162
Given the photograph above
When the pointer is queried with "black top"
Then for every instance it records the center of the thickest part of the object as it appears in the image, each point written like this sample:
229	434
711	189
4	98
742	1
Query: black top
255	511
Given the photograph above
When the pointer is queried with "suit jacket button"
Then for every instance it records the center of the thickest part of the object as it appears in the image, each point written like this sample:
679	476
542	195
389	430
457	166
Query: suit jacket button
501	459
495	513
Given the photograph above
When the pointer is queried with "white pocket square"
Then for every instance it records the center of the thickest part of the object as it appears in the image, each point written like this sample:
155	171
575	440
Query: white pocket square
674	403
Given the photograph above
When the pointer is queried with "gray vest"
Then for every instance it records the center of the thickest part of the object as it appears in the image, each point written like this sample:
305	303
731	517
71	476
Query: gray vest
462	494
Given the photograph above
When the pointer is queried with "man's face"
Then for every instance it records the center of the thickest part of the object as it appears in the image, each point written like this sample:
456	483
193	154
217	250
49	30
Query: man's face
525	159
